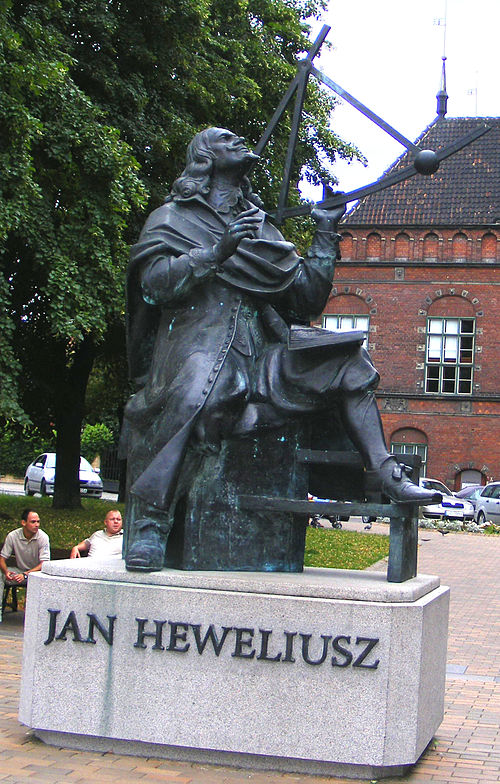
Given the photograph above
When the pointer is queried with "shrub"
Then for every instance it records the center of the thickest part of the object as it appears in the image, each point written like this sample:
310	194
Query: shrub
95	438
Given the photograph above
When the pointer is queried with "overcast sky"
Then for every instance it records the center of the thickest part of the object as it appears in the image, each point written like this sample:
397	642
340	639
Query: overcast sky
387	53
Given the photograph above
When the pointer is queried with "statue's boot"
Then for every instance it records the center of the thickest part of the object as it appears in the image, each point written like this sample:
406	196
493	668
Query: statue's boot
147	551
391	478
384	473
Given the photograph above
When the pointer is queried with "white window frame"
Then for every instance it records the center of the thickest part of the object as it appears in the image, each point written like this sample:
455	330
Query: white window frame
345	322
415	448
449	355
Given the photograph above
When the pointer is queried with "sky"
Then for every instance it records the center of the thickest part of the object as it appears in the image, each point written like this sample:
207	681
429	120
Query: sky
388	54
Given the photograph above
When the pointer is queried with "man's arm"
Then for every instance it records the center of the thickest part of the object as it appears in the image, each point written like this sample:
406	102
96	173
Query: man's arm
81	547
14	577
7	551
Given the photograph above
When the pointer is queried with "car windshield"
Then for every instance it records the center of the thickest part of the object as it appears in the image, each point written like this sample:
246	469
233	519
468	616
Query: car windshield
85	465
469	492
433	484
51	462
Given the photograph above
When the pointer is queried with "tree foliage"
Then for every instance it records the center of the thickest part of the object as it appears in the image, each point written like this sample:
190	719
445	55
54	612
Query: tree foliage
99	100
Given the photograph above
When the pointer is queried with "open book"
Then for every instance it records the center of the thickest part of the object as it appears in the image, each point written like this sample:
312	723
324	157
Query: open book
300	337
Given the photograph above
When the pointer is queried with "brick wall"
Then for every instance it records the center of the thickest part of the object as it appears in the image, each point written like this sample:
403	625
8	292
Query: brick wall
400	278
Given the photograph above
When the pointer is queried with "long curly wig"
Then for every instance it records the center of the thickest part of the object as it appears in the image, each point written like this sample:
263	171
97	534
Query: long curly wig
195	179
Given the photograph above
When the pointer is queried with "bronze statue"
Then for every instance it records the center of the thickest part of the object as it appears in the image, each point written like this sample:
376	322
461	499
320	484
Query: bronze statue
213	291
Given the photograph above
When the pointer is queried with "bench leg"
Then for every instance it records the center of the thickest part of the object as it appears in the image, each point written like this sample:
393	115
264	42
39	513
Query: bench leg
403	547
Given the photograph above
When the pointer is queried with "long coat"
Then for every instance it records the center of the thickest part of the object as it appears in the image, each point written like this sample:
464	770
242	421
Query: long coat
208	348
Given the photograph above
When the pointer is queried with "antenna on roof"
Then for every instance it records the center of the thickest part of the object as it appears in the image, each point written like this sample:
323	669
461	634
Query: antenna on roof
442	95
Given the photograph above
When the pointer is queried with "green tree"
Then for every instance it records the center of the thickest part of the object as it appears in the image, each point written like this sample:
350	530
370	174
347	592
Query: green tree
99	99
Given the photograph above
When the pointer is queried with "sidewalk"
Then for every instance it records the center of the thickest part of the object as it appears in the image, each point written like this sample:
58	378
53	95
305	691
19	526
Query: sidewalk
466	749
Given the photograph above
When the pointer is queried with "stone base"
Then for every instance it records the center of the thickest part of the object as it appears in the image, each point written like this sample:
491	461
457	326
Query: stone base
327	672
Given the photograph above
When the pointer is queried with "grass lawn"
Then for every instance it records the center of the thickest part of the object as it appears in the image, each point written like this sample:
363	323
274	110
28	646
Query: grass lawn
324	547
336	549
65	527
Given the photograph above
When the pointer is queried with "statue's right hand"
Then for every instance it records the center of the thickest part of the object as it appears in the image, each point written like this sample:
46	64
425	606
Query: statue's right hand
246	224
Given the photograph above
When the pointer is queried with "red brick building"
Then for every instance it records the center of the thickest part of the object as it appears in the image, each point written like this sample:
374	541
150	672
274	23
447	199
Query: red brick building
421	274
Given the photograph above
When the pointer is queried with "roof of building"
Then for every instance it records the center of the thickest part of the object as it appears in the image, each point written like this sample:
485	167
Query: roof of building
464	191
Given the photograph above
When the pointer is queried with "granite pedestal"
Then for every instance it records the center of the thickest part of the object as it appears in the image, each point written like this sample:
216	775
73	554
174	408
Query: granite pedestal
329	671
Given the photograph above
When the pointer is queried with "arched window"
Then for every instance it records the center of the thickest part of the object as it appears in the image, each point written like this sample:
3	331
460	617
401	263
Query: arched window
350	313
459	246
373	246
450	347
410	441
402	246
489	246
431	245
347	246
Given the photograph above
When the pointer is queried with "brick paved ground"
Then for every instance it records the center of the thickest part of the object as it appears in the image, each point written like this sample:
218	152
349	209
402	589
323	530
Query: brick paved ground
466	749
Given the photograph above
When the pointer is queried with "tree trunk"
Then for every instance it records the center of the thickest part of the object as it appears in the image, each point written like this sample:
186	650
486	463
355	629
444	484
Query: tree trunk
70	409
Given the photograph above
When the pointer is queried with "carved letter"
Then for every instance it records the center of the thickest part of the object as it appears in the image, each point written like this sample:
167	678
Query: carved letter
141	634
211	634
343	651
265	645
305	648
240	642
288	657
175	635
52	625
372	641
71	624
94	623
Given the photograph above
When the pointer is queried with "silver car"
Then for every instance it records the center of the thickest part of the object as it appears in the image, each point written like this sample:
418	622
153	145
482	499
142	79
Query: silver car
450	508
488	504
41	473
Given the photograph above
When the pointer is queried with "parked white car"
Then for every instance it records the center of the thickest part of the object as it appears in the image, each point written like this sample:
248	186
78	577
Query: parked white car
488	504
450	508
41	473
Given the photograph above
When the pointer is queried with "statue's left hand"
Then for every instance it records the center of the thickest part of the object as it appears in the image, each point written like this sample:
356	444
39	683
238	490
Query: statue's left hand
327	220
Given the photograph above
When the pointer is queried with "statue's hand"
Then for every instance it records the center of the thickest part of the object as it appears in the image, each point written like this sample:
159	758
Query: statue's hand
245	225
327	220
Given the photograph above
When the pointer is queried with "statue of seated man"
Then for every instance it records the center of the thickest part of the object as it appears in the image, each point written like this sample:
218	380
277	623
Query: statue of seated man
213	289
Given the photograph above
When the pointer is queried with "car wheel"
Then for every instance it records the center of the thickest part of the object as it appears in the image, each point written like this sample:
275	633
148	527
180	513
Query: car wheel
27	490
43	488
481	518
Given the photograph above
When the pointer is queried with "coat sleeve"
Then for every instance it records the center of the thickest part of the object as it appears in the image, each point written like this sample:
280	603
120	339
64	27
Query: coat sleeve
306	298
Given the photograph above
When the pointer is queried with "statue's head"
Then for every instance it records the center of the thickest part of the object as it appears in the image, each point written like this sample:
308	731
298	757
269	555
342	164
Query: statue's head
211	149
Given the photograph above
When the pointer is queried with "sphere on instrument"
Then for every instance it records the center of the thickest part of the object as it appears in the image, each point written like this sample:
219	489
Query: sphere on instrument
426	162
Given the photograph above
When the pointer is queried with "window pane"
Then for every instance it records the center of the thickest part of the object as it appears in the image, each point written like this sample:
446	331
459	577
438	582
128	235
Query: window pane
331	322
362	323
450	349
468	326
436	326
451	326
434	348
346	323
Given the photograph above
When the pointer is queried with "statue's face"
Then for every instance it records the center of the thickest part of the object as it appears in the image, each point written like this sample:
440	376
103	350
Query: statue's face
230	150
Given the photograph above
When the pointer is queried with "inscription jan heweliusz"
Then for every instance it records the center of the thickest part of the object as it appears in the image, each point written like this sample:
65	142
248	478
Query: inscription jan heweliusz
255	643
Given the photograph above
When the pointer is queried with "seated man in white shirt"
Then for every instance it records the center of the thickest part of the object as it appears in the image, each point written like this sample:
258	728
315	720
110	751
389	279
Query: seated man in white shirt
29	545
103	544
